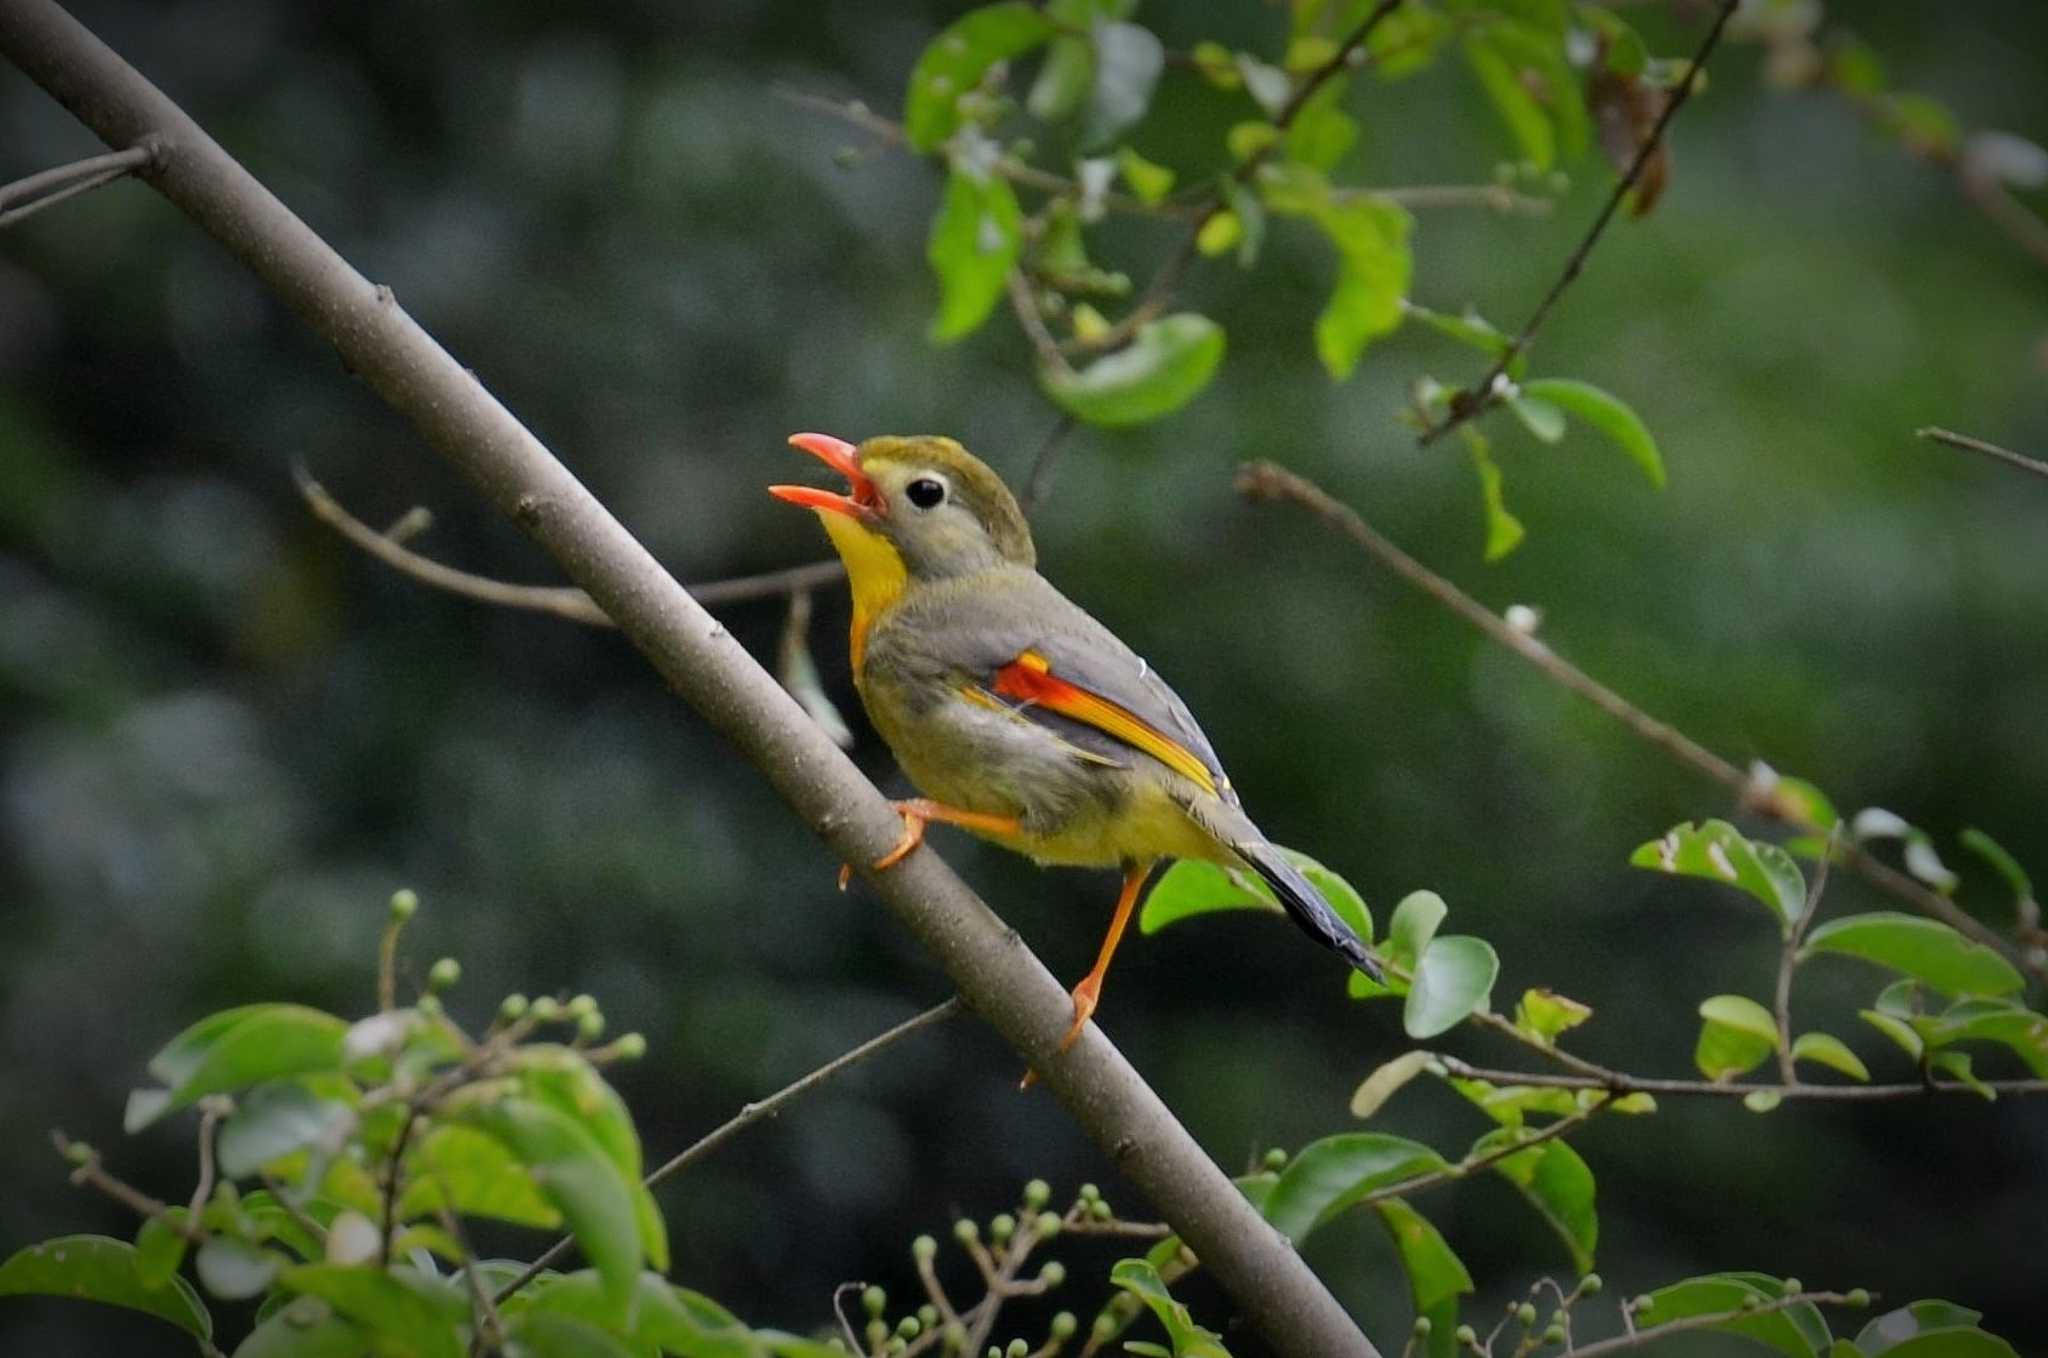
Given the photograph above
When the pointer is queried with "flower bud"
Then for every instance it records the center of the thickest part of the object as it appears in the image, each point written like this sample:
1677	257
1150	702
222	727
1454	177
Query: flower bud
874	1300
924	1249
1053	1274
1001	1227
590	1025
405	903
1064	1325
512	1007
444	974
1037	1194
966	1231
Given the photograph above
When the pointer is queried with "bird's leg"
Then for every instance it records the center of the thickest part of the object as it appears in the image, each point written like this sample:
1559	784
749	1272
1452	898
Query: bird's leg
919	810
1088	993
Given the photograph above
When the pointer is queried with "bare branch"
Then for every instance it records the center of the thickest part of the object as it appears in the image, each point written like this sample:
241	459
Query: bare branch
46	188
1991	450
1269	481
1619	1084
1483	394
562	601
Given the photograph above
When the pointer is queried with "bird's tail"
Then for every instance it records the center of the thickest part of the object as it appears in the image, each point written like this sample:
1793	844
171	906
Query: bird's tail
1307	907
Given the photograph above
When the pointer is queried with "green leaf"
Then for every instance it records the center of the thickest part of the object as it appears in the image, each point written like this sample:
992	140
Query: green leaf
1268	85
235	1270
424	1312
1518	108
1719	852
1165	366
668	1317
543	1334
1329	1175
234	1049
1606	413
1194	887
572	1171
1831	1052
1064	80
1538	416
1897	1030
274	1120
1537	54
565	1078
1469	328
2008	867
472	1174
1251	216
1388	1079
1798	1332
1128	60
1149	181
1504	532
1412	927
1796	799
1958	1065
1322	131
1454	978
1251	138
1736	1037
1545	1015
1190	1340
1371	236
99	1268
1557	1182
1874	822
305	1327
973	246
955	61
1220	233
1507	1104
1435	1274
1925	949
1930	1329
160	1247
1987	1020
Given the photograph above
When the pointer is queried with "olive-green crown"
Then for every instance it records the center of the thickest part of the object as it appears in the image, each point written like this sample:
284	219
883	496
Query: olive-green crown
979	488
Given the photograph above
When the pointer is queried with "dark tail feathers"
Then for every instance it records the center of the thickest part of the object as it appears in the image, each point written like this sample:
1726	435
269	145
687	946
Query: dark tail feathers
1307	907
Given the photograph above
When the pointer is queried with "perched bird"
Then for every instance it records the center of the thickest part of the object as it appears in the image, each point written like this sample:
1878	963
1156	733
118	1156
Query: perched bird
1016	714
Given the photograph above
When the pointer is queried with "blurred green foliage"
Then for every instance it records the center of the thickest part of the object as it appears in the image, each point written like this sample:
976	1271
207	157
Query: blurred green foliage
224	730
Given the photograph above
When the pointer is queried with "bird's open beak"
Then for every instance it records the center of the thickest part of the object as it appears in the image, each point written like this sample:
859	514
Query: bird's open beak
863	504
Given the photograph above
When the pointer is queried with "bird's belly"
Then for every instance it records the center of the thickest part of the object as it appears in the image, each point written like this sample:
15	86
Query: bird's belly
1071	810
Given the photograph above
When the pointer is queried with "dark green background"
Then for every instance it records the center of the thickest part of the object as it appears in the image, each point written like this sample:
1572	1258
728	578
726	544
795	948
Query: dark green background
226	737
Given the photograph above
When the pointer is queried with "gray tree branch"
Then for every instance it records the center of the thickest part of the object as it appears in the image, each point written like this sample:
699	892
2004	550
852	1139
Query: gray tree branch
995	973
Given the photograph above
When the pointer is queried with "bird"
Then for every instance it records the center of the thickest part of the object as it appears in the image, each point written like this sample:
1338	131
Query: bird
1013	712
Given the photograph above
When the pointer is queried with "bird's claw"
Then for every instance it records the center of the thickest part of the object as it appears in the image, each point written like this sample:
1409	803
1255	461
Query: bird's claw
1087	995
913	835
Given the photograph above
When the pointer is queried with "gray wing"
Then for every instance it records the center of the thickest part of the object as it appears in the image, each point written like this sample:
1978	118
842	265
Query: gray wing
1036	619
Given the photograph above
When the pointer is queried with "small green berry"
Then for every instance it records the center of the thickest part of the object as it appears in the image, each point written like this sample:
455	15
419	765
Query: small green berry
1525	1314
1053	1274
955	1336
995	1351
590	1025
1104	1328
1554	1334
1858	1297
512	1007
79	1153
878	1333
1048	1225
1792	1287
1422	1327
630	1046
874	1301
1089	1193
909	1327
405	903
1276	1158
546	1009
429	1004
927	1315
924	1249
1001	1227
1099	1209
1642	1303
966	1231
897	1345
444	974
1751	1301
1589	1286
1037	1194
581	1005
1018	1349
1466	1335
1064	1325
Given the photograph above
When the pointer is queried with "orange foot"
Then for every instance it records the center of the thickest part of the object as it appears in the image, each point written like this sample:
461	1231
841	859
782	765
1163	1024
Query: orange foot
1087	995
917	812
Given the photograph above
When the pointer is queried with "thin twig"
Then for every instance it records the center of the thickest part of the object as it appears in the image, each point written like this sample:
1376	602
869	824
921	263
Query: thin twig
212	1109
490	1330
90	1174
46	188
1025	306
1788	957
1472	1164
1482	396
751	1114
1038	483
839	1313
393	1174
1269	481
1496	197
1634	1338
1991	450
1337	62
561	601
1621	1084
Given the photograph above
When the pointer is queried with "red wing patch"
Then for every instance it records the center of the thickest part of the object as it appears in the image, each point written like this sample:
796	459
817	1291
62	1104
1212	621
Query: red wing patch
1029	679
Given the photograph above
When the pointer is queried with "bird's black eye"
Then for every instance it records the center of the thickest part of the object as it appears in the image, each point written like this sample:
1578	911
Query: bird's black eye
925	493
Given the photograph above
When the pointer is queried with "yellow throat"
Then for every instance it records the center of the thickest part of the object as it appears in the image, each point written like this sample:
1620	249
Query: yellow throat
874	570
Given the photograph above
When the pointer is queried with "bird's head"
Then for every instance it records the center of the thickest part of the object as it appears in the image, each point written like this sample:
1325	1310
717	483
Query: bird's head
919	505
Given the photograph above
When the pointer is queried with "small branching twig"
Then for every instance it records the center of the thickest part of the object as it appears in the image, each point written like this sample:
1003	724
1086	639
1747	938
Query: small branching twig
27	196
211	1110
1788	958
1635	1338
1486	392
1269	481
748	1116
1621	1084
1472	1164
88	1172
1979	446
562	601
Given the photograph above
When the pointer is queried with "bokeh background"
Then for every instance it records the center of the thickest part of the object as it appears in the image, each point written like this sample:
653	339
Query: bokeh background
227	737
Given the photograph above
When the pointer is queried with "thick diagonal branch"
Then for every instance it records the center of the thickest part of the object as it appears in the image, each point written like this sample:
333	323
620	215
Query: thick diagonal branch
993	970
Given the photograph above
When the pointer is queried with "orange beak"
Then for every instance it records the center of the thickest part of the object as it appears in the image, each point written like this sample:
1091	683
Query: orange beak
863	505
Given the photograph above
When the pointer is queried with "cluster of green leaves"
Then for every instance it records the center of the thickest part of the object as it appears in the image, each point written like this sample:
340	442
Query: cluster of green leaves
339	1161
1544	65
1950	990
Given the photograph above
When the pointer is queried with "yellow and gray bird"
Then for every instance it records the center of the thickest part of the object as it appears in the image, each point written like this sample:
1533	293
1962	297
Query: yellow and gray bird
1017	715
